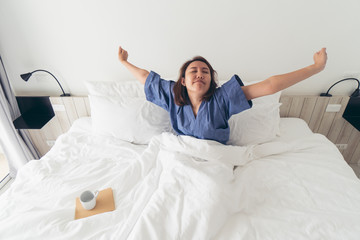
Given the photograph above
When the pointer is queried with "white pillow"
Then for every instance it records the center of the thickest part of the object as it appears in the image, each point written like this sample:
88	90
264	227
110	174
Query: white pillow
121	110
116	89
257	125
254	126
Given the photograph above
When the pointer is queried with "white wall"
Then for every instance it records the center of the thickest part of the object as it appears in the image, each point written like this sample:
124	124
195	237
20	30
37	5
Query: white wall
77	40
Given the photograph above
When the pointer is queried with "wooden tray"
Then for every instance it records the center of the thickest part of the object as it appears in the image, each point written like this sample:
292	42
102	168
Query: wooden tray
104	203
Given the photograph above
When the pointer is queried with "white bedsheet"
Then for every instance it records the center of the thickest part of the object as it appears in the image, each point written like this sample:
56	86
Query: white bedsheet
184	188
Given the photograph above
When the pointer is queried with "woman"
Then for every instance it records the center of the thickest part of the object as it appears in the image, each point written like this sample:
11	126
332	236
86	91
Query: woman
199	108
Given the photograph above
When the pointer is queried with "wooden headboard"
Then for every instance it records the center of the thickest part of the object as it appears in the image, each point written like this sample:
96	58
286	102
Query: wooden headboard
310	108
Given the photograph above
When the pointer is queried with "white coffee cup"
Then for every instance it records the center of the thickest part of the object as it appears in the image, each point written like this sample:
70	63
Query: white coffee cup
88	199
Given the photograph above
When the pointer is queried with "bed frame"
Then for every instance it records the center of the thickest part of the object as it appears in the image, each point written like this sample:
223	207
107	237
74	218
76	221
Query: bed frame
312	109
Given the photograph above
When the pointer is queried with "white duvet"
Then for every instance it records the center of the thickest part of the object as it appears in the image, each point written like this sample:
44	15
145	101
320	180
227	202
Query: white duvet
185	188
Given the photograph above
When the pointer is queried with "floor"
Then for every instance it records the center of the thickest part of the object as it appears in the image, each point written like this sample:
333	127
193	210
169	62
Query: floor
4	167
7	184
4	173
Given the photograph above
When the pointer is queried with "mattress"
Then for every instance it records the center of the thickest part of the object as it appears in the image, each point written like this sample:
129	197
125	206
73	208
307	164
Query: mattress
297	186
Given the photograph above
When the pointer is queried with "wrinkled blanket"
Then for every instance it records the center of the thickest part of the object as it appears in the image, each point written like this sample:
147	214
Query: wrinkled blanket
185	188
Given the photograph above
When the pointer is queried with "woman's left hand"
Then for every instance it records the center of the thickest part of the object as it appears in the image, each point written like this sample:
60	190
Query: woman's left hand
320	59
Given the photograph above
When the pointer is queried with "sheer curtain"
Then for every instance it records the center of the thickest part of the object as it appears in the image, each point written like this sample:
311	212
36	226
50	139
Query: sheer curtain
16	144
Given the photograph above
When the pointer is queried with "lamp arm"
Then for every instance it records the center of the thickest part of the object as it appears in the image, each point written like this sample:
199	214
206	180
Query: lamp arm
41	70
355	79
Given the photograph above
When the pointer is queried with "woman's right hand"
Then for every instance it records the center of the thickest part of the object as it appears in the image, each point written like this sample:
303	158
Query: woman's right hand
320	59
123	55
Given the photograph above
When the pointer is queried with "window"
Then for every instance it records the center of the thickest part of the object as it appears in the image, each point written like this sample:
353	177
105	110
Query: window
4	169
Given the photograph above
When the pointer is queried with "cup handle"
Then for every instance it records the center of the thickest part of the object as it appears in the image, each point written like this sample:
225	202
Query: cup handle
96	193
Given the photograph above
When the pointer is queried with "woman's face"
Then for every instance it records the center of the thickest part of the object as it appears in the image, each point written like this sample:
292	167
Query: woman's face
197	78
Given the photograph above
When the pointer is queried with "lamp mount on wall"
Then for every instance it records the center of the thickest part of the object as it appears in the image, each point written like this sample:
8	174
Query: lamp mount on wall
26	77
352	110
354	94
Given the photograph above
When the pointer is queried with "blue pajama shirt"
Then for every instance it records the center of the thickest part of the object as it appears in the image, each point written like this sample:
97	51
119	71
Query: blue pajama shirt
212	118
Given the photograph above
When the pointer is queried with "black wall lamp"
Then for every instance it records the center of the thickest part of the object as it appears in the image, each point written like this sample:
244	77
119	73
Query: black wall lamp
26	77
352	110
35	111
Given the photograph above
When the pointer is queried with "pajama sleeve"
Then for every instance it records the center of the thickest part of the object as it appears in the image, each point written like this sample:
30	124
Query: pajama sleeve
158	91
233	97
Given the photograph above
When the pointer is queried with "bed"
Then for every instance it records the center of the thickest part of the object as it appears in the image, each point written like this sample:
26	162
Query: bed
276	181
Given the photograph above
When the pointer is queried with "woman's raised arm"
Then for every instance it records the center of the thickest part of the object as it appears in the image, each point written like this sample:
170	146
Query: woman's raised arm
140	74
279	82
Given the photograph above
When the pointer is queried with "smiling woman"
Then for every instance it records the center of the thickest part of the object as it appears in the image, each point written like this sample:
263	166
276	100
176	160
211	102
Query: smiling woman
199	108
201	82
197	84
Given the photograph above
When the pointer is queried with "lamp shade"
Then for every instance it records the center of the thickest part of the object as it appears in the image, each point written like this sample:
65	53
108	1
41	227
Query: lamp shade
26	76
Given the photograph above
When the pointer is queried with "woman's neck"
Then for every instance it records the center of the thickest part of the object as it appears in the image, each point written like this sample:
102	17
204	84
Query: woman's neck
195	102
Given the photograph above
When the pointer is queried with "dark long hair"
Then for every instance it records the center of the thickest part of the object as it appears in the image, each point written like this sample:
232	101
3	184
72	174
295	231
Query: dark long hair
180	91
